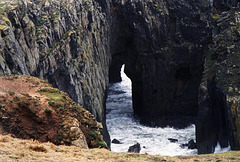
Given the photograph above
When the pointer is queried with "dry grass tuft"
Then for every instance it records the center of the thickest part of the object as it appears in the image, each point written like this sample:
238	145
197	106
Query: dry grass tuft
4	139
38	148
28	150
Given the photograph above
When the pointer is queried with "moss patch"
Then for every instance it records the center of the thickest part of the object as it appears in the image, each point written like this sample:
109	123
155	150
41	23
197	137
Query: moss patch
54	94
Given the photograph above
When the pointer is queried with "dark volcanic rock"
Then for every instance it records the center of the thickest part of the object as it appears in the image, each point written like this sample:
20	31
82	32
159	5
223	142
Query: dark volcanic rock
192	144
116	141
163	45
135	148
219	95
220	5
173	140
80	46
66	43
184	145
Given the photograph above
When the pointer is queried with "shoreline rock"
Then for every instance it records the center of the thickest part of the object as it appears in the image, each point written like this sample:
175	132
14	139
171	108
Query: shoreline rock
135	148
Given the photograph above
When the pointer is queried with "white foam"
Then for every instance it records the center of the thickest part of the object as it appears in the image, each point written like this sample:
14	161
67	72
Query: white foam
218	148
124	127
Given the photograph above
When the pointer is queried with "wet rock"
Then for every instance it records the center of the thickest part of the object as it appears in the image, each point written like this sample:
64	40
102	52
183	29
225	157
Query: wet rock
184	145
165	72
173	140
135	148
116	141
192	144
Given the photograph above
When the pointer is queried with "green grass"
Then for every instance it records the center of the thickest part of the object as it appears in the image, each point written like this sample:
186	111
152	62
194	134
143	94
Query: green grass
102	145
53	94
53	104
48	111
93	134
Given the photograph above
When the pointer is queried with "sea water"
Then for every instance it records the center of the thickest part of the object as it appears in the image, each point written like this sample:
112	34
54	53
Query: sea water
124	127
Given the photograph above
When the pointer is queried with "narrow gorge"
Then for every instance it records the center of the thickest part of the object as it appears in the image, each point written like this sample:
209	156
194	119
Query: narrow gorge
182	57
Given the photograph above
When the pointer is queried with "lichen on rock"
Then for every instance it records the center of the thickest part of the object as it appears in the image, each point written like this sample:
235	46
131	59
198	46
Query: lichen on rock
219	91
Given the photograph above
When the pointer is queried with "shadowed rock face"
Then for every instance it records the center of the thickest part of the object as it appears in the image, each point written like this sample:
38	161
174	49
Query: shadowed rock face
220	5
163	45
218	118
79	46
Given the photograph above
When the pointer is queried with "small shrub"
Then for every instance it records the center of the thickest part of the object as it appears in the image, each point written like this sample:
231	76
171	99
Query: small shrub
60	138
60	132
48	111
102	144
15	77
51	103
93	134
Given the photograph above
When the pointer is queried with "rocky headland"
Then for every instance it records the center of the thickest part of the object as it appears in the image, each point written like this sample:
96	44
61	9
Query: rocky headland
182	57
30	108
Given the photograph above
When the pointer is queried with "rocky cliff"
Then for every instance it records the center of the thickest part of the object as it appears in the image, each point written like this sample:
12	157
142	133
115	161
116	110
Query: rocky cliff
30	108
79	45
163	45
65	42
218	119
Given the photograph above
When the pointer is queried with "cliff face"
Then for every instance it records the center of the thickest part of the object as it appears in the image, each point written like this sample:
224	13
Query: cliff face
218	119
226	5
65	42
62	41
163	45
78	44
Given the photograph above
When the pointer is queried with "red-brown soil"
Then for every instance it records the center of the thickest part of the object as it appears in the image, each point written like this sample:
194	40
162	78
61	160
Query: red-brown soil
31	109
23	109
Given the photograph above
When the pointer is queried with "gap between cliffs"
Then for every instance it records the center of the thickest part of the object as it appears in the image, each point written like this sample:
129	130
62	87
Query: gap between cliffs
164	49
164	45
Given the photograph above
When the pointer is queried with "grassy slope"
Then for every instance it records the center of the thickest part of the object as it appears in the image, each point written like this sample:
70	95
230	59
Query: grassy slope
13	149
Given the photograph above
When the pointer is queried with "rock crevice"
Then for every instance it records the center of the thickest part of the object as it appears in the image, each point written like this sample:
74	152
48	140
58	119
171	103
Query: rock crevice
162	58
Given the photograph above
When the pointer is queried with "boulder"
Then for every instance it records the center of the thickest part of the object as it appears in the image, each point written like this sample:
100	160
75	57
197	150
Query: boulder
192	144
173	140
116	141
184	145
135	148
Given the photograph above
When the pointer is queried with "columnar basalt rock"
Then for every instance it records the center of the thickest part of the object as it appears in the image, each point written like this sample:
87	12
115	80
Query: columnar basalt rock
218	119
163	45
220	5
65	42
79	45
